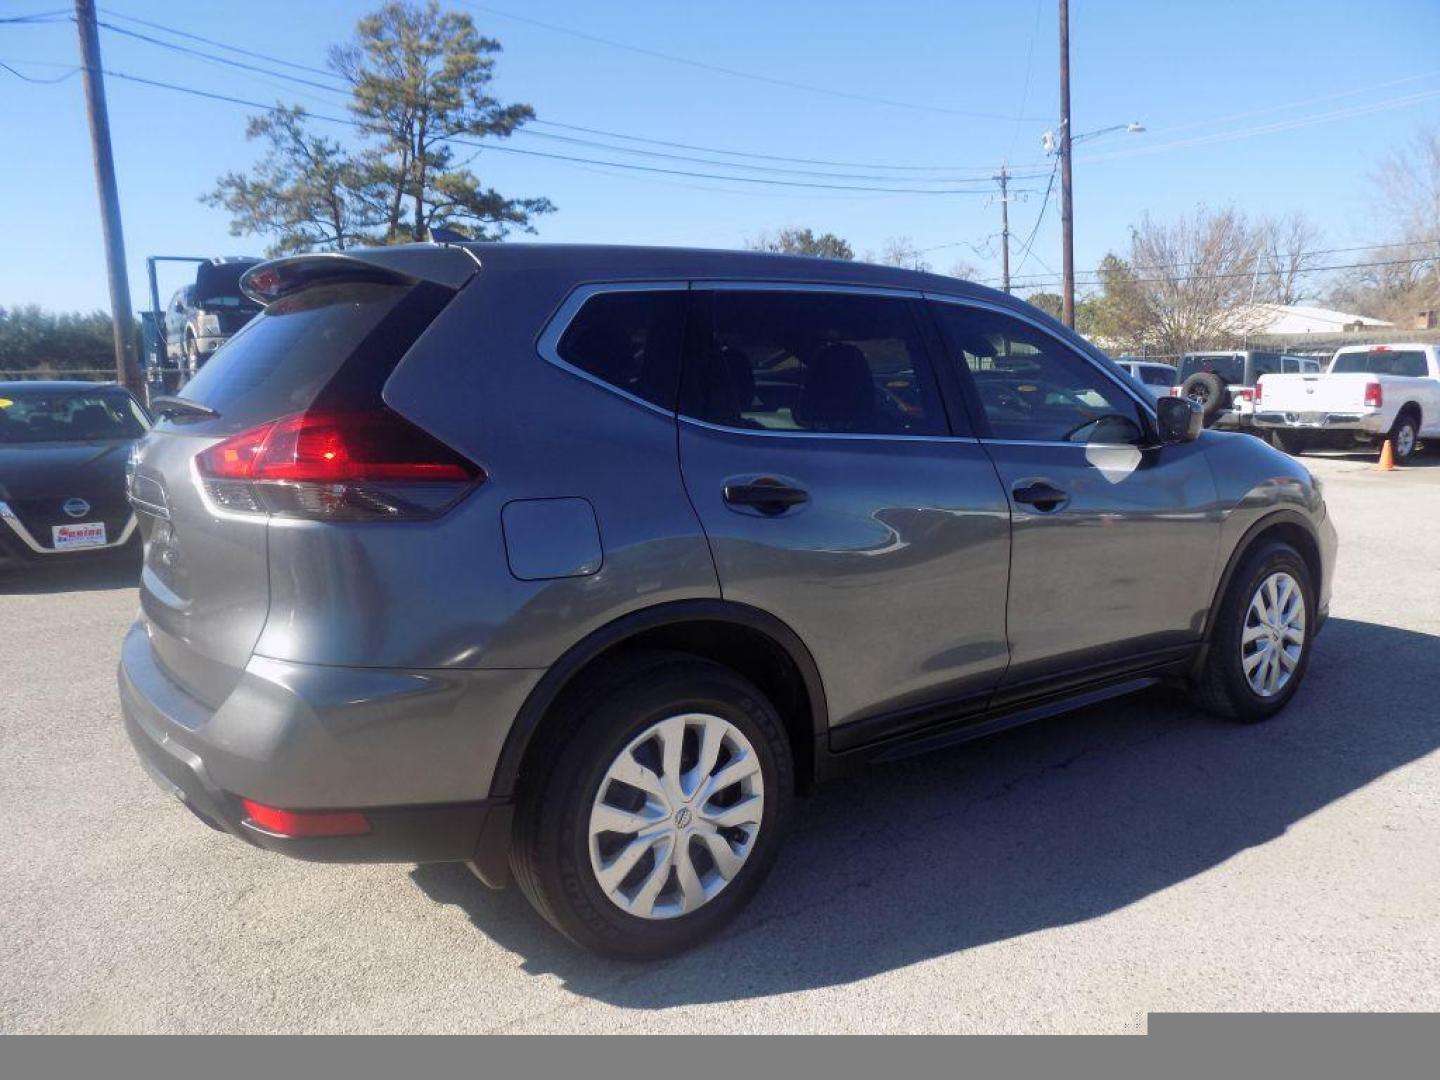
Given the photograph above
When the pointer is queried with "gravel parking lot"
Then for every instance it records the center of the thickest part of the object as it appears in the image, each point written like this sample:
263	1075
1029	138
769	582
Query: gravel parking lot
1068	877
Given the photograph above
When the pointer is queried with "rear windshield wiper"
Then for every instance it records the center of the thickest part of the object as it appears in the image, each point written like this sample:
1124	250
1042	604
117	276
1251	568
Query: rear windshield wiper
175	408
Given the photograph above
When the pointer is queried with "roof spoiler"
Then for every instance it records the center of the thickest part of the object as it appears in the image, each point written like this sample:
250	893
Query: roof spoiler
451	267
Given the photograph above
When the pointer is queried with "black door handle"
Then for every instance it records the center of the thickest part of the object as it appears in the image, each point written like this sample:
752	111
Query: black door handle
1043	496
767	495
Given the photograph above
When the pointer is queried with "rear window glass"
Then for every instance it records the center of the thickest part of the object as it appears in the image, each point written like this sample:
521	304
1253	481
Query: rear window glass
1230	369
1158	376
1406	362
282	360
629	339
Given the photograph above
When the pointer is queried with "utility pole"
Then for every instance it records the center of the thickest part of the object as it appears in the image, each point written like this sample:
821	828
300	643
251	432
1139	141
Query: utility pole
127	371
1067	221
1004	178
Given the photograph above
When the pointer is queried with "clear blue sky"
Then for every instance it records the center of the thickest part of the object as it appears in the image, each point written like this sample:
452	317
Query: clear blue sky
1189	72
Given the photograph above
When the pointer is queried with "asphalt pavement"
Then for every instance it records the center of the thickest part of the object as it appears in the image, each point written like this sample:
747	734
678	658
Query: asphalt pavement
1067	877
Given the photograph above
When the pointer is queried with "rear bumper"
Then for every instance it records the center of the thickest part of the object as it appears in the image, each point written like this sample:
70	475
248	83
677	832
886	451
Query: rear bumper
1357	422
324	739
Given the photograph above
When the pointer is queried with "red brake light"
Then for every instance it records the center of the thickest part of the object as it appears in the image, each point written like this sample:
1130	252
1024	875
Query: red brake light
306	822
351	465
329	447
1259	389
1374	395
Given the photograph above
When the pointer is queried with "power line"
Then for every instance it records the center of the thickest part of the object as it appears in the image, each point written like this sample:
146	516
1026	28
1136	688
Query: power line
218	44
1283	270
1300	103
627	166
1247	274
1269	129
218	59
766	157
766	168
34	79
226	61
735	73
1044	203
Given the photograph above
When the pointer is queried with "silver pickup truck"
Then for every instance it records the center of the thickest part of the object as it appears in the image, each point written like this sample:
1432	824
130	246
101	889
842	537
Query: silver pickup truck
1368	394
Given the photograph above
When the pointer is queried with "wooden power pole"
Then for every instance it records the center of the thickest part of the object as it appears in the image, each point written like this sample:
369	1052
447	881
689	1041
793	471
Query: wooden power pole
1067	222
1004	178
127	370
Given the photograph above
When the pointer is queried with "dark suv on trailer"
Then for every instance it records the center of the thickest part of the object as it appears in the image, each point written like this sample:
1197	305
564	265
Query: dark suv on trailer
575	562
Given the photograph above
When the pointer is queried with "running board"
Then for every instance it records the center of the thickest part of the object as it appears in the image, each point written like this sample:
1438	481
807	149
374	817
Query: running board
966	729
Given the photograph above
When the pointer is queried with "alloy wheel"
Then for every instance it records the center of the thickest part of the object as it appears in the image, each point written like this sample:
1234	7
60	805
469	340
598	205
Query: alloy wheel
1404	441
1273	637
676	816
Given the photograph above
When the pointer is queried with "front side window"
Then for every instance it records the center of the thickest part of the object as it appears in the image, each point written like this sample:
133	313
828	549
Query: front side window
629	339
1031	386
811	361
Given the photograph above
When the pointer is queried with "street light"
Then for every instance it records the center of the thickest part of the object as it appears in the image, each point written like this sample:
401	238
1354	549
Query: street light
1062	145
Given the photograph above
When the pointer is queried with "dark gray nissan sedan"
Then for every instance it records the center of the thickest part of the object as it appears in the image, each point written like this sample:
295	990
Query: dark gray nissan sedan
576	563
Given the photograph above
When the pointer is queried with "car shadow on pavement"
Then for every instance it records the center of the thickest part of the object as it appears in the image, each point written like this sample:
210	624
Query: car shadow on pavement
1041	827
93	574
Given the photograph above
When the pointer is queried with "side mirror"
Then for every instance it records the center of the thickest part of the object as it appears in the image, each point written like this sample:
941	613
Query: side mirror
1179	419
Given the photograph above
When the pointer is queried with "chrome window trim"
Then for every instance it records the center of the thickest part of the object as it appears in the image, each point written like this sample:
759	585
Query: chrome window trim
772	285
1146	408
18	528
772	433
548	344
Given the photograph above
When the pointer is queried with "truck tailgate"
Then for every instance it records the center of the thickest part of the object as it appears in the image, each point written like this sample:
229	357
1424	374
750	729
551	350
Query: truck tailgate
1313	393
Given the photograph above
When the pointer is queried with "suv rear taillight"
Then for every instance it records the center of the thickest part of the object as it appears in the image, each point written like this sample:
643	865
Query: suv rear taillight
1259	390
336	466
1374	396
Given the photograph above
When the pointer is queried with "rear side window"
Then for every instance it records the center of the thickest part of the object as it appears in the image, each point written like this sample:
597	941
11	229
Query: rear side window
1158	376
629	339
1266	364
811	361
328	346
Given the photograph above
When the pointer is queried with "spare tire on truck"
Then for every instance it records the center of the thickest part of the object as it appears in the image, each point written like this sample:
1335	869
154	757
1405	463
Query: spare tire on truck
1206	389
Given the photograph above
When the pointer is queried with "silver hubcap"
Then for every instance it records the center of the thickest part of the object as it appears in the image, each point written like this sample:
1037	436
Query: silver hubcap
1274	634
1404	440
676	816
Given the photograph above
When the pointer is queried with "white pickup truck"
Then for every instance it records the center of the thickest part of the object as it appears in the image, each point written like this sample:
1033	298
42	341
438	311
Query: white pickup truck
1368	394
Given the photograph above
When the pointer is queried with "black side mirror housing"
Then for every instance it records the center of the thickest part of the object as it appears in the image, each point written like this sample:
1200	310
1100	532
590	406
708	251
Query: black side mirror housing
1179	419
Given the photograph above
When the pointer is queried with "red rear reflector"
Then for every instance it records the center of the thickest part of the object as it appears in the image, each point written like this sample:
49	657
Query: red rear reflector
1374	396
301	823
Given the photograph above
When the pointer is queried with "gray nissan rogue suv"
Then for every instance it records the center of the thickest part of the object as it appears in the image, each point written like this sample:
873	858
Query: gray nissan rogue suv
574	563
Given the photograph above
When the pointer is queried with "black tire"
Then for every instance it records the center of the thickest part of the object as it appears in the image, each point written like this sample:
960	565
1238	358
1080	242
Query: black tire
1406	420
1290	442
1221	687
1205	388
550	854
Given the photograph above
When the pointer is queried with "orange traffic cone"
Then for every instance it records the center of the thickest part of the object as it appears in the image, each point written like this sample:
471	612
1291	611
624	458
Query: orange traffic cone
1387	457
